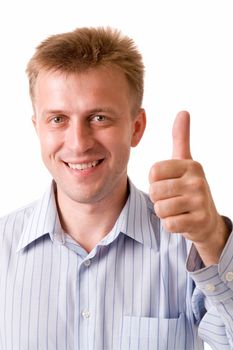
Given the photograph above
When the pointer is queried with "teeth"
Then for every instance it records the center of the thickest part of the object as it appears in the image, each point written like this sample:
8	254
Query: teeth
83	166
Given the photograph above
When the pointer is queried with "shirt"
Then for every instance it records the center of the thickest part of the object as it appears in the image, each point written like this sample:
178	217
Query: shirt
132	291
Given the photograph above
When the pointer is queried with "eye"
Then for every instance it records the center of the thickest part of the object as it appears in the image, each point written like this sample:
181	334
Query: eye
99	118
57	119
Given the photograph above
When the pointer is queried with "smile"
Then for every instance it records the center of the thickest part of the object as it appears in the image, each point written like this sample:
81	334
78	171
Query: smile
82	166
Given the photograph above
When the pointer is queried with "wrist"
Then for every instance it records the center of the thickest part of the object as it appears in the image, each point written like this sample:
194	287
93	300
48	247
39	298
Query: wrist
211	249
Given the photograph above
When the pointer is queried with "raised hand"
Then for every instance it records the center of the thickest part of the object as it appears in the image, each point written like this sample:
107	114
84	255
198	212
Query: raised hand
182	198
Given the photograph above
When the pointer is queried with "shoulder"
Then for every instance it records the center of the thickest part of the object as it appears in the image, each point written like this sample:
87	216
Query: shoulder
19	217
13	223
17	213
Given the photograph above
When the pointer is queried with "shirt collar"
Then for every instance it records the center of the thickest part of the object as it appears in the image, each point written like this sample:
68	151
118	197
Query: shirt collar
137	220
43	219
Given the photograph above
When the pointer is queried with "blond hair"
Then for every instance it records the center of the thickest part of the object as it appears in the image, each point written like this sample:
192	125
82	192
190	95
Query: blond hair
85	48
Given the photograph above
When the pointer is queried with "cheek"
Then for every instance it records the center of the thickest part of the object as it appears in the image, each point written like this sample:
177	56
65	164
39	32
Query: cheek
118	137
119	148
117	143
49	142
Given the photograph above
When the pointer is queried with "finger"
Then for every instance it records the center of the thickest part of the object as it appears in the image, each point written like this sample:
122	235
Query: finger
181	136
172	207
186	223
165	189
177	224
167	169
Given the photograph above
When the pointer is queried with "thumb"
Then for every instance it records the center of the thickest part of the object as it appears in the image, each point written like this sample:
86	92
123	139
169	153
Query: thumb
181	136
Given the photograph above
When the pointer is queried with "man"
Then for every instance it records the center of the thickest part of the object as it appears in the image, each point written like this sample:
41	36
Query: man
96	264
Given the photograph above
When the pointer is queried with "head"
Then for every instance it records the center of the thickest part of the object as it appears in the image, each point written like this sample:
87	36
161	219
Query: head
88	48
86	87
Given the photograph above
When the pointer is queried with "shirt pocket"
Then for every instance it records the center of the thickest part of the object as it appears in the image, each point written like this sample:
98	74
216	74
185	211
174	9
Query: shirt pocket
140	333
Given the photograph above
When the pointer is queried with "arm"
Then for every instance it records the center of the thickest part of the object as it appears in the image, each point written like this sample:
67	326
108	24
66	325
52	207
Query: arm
183	201
214	292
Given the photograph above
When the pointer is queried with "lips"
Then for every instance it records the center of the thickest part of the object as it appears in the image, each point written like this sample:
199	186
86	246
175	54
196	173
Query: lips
83	166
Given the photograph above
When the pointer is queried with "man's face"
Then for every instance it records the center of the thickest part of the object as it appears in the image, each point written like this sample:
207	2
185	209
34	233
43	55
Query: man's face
85	126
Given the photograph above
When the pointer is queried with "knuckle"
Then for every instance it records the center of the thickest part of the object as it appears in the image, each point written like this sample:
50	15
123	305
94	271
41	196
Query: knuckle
196	167
158	209
200	184
154	172
197	184
153	192
169	224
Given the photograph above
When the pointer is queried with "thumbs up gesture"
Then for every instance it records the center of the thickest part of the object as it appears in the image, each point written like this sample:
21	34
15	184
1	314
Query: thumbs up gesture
182	198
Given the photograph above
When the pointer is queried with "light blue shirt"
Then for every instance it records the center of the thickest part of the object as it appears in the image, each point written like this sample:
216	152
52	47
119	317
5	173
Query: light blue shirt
131	292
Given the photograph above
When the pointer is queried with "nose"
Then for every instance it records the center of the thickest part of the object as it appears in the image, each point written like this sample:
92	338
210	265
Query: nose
79	137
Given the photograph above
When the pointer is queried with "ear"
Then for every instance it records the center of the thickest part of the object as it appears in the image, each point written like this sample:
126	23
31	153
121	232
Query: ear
139	125
34	121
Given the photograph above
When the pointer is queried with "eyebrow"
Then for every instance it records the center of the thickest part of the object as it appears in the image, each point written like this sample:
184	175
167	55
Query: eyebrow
88	112
103	110
54	111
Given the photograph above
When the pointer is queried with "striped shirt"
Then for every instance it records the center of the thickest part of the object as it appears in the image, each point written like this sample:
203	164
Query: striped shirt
132	291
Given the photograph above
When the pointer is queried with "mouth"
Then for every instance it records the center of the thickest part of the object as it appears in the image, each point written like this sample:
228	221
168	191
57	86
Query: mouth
84	166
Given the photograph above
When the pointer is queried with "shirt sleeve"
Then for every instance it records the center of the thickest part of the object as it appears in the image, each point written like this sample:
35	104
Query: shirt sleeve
212	299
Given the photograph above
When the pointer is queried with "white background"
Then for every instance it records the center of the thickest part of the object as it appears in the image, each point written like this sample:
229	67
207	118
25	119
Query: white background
187	49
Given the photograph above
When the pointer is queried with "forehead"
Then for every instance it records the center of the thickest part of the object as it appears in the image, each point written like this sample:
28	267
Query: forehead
79	91
101	78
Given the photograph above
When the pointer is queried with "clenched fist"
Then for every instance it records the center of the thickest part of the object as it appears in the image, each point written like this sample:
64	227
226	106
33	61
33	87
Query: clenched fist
182	198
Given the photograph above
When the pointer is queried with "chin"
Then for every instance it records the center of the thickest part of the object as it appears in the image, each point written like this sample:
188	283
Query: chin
85	197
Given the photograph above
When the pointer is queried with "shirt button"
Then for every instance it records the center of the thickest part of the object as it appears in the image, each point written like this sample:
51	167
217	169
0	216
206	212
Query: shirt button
86	313
210	287
229	276
87	262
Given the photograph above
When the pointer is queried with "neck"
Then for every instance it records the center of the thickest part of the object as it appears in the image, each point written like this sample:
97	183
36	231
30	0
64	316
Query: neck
89	223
